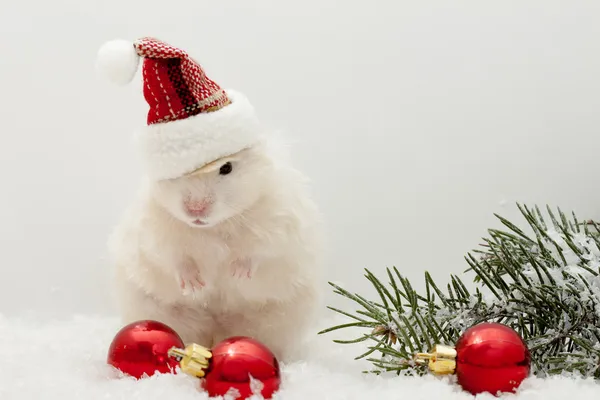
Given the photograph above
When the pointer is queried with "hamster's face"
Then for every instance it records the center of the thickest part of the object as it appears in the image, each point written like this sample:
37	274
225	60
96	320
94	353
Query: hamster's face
219	191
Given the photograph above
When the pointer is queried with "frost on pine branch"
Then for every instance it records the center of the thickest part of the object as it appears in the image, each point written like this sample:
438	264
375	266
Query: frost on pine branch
544	284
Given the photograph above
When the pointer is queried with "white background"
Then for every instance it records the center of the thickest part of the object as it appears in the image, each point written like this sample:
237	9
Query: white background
416	120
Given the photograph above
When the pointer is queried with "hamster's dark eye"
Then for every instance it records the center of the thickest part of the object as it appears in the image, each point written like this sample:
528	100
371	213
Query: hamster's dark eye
226	168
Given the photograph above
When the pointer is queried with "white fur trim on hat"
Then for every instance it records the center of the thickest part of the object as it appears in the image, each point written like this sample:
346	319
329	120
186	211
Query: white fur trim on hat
172	149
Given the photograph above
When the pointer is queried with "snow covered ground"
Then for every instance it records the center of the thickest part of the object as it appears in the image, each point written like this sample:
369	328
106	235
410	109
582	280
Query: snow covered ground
66	360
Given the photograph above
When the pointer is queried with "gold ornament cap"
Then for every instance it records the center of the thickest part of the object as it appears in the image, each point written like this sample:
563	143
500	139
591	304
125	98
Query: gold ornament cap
441	360
193	360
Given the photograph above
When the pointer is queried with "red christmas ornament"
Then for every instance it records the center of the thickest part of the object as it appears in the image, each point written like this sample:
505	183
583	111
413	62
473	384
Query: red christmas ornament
141	348
491	358
488	357
236	362
239	365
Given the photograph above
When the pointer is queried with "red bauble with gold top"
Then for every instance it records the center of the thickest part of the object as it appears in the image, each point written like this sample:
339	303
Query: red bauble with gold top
488	357
239	366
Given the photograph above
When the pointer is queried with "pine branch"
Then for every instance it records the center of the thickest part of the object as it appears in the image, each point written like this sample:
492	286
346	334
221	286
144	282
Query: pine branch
545	286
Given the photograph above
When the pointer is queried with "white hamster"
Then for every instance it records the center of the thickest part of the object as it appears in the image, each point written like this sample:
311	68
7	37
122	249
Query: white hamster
231	249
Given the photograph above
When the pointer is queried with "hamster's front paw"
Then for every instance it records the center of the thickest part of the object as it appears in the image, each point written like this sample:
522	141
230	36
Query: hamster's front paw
242	268
189	278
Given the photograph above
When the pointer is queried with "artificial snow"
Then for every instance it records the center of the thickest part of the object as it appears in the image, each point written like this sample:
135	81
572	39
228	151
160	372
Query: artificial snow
63	360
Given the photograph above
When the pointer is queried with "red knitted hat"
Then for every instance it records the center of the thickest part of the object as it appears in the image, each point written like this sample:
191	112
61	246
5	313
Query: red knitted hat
192	121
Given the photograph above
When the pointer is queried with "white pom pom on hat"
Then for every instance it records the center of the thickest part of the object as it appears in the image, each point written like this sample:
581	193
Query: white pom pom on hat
118	60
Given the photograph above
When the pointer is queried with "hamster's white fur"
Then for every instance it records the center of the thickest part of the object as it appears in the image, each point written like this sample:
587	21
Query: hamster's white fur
251	269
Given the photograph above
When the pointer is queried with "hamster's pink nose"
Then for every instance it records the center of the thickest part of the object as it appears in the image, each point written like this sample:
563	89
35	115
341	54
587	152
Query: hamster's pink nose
196	208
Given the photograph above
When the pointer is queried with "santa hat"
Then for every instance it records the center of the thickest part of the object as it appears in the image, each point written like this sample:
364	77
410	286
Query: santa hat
192	121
